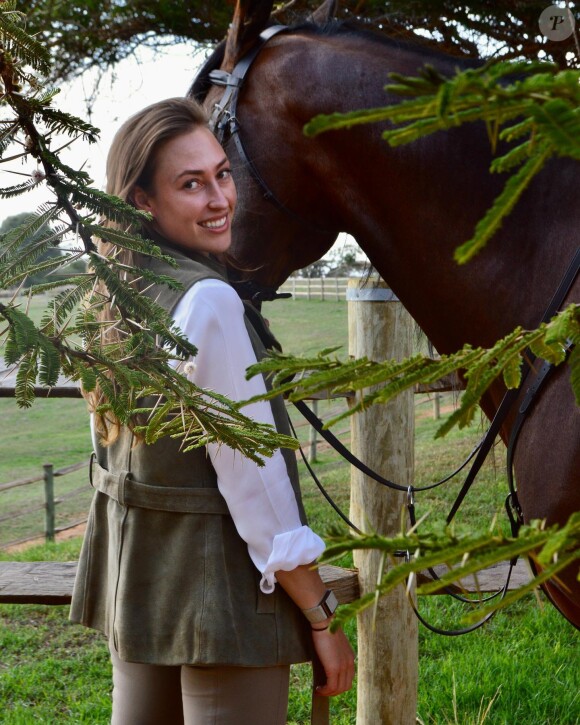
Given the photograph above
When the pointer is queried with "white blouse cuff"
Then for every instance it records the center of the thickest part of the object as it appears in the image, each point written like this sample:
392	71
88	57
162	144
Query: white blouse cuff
291	549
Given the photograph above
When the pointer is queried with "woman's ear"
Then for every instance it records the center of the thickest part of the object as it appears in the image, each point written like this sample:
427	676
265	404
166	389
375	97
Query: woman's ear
143	200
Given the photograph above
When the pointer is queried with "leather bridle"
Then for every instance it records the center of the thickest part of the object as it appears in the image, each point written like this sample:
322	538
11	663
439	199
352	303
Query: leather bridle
226	126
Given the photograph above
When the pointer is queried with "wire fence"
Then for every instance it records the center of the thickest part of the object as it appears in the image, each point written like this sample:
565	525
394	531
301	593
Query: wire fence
41	506
44	505
22	510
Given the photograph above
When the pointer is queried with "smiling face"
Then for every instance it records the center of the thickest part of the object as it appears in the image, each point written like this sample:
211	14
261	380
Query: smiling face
192	196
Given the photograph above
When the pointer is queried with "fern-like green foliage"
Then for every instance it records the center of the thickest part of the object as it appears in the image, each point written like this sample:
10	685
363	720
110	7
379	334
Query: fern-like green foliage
464	555
67	342
301	377
532	102
137	373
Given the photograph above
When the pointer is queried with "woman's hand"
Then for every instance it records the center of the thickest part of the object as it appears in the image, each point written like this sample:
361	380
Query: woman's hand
306	588
337	658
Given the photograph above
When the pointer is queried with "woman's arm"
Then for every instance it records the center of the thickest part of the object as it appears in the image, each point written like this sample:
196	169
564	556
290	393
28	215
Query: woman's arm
261	500
305	587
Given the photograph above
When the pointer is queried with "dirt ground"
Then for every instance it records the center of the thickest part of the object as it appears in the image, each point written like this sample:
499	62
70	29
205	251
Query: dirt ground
60	536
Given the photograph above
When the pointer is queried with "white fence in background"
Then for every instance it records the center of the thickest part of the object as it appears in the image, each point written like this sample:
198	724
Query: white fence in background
316	288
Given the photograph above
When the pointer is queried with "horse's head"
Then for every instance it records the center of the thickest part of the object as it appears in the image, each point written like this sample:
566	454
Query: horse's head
276	202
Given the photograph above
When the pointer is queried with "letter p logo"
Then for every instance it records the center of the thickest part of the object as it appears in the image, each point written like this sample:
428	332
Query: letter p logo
556	23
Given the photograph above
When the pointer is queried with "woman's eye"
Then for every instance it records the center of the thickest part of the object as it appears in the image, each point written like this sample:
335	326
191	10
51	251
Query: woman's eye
192	184
225	174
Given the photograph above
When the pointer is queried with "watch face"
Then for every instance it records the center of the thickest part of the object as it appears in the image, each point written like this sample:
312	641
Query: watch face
330	602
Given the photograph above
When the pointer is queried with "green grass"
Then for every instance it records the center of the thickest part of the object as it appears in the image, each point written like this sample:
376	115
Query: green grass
51	431
527	658
304	327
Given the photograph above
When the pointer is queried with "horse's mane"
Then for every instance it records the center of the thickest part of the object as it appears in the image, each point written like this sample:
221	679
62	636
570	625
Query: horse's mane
201	84
359	28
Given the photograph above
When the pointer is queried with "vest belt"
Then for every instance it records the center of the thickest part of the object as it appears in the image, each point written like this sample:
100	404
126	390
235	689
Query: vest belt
127	491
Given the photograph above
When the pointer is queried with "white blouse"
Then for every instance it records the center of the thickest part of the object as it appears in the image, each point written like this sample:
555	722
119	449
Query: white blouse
260	499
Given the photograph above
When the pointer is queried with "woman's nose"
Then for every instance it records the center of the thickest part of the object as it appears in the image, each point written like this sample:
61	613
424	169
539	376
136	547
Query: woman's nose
217	197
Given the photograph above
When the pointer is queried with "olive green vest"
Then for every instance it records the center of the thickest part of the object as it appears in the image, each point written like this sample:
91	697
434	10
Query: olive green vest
163	572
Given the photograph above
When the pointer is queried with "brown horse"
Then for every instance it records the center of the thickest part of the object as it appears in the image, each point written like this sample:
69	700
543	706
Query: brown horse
408	208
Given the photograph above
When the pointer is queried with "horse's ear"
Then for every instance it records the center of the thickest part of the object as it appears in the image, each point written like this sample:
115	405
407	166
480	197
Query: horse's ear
250	18
325	13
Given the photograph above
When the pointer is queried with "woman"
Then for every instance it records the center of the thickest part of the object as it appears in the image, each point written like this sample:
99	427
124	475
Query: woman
183	551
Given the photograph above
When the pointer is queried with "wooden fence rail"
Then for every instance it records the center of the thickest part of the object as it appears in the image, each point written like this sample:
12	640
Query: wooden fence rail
51	582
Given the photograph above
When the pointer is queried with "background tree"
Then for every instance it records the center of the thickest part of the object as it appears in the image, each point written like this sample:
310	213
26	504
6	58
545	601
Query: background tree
99	33
67	340
342	260
16	220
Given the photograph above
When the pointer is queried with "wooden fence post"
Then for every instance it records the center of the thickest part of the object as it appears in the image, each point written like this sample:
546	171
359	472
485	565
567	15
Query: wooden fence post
383	437
437	406
313	436
49	501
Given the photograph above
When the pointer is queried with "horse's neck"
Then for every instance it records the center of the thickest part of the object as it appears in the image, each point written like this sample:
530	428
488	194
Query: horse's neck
410	207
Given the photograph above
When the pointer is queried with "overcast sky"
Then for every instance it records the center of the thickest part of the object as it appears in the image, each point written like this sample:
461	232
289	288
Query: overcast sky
135	83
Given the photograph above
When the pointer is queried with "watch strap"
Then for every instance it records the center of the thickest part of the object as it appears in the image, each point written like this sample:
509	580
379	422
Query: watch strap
324	609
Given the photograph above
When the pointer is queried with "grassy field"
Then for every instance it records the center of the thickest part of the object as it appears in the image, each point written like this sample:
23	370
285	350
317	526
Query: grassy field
524	665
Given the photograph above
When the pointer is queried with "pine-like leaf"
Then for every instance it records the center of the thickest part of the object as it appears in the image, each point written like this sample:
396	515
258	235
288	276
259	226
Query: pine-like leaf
9	191
26	379
49	362
60	122
19	270
21	44
564	325
87	280
133	242
502	206
11	349
25	332
64	303
517	130
20	234
558	122
516	156
88	378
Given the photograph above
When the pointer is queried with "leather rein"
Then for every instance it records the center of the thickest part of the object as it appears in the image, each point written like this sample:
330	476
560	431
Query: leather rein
533	386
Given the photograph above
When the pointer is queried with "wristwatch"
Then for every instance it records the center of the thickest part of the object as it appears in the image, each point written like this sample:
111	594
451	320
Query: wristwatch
326	608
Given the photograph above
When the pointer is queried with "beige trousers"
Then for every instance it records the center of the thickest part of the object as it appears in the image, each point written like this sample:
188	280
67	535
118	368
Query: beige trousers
213	695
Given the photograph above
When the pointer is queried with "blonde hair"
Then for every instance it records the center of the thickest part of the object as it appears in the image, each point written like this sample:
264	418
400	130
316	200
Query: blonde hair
133	153
131	163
